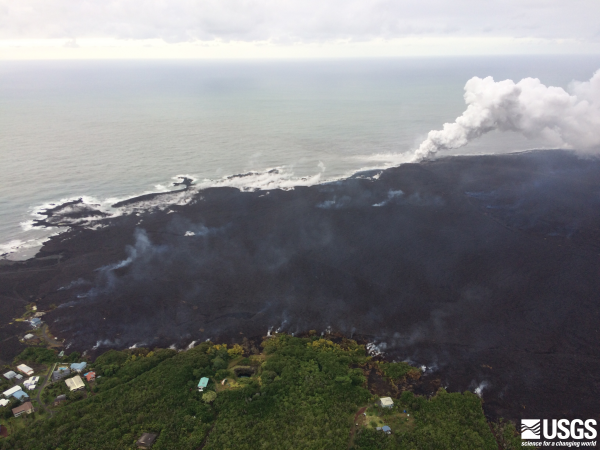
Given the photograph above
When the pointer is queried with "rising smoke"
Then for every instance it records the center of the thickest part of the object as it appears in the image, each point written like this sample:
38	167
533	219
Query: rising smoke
562	119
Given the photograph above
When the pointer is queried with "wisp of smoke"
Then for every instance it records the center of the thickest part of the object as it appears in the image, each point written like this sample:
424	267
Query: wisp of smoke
567	120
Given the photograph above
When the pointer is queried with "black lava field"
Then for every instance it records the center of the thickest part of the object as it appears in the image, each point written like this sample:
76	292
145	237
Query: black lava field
485	269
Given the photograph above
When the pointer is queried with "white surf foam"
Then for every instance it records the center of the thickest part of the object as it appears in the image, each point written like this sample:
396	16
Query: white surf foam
281	177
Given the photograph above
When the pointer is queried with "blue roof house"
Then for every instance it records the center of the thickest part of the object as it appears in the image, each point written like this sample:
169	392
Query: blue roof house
20	395
386	429
78	367
203	383
36	322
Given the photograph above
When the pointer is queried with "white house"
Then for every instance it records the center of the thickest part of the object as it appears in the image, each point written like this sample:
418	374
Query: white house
25	369
11	391
31	383
386	402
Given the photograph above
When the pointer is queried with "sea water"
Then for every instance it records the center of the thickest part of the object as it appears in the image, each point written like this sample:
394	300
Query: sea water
109	130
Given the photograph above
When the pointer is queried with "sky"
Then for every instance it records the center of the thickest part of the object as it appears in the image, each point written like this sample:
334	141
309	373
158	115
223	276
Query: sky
84	29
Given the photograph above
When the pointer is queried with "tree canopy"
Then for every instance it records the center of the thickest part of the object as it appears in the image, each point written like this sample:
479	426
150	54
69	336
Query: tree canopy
303	393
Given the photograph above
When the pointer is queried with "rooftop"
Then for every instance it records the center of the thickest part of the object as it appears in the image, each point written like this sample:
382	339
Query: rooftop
20	394
75	383
386	401
10	375
146	440
11	391
32	380
61	373
203	382
78	366
25	369
24	407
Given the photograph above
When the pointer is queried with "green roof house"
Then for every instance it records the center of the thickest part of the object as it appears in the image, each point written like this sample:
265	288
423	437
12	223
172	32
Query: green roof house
203	383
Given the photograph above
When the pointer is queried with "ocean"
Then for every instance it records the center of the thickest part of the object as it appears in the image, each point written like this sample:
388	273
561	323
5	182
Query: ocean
109	130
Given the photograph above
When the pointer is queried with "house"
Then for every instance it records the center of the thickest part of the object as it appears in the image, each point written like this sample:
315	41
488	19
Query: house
11	391
31	383
25	369
32	380
90	376
61	354
58	400
28	336
385	429
35	322
20	395
60	374
202	384
18	376
75	383
146	440
78	367
4	402
386	402
25	408
10	375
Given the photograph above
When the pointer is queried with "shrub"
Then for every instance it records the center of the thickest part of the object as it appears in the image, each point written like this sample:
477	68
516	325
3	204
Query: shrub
209	396
37	355
223	373
219	363
235	351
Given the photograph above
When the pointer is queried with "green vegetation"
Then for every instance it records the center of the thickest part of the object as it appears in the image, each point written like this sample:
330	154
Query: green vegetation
209	397
506	435
38	355
399	371
446	421
299	393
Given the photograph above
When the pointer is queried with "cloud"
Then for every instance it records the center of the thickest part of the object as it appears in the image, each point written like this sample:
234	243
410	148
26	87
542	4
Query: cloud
293	21
562	119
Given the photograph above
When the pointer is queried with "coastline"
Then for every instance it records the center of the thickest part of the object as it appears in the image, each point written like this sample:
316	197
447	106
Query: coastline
358	280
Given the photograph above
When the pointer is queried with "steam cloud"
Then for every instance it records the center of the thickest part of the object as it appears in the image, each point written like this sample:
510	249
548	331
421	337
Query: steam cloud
567	120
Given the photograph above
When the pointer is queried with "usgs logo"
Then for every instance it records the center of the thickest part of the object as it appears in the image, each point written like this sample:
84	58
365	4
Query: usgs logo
562	429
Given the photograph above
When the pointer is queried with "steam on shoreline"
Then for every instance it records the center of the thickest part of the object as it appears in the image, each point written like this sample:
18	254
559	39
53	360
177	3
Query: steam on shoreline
562	119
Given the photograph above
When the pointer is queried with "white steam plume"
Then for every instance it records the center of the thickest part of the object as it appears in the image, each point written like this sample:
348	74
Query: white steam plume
565	120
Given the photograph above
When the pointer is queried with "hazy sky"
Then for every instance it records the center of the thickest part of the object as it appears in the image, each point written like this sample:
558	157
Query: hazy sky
294	28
